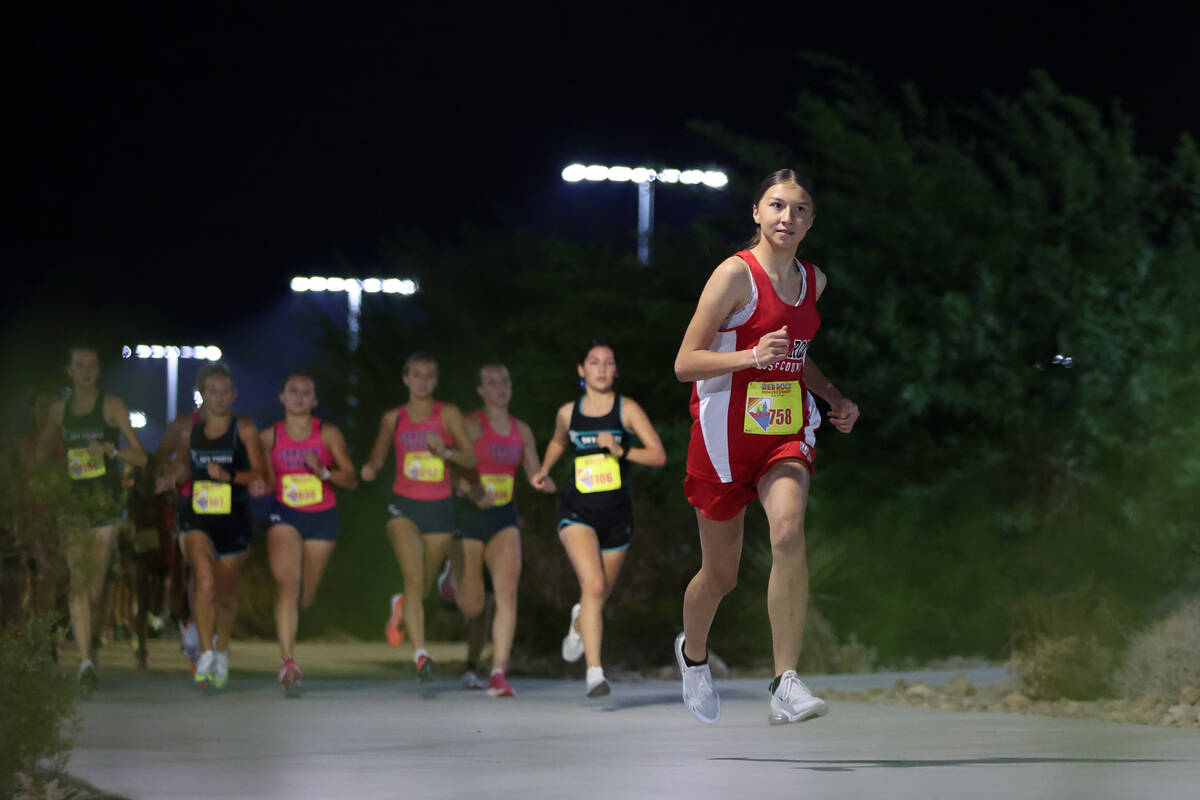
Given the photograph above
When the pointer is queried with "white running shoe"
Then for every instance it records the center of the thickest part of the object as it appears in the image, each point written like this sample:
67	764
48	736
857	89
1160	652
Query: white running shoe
471	681
204	668
597	685
793	702
220	670
572	646
699	695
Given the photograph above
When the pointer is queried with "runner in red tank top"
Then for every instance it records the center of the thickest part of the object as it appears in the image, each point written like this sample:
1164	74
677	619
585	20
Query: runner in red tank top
753	436
424	435
306	459
488	531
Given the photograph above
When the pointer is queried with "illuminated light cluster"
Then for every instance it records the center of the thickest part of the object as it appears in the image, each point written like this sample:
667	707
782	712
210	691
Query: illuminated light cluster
137	419
714	179
369	285
200	352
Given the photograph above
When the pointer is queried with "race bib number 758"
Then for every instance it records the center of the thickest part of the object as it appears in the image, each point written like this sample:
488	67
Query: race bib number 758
774	408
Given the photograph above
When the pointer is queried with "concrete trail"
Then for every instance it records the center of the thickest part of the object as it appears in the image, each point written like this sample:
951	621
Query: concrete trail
154	735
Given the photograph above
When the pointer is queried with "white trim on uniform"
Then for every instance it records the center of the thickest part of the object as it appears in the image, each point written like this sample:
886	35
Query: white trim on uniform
714	394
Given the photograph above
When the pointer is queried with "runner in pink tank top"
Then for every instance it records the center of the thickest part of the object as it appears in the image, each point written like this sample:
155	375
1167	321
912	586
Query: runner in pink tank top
308	457
488	531
426	437
753	434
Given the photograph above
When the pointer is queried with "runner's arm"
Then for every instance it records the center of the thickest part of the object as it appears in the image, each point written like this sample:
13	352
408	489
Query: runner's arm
555	447
117	415
462	454
529	459
387	425
651	453
344	476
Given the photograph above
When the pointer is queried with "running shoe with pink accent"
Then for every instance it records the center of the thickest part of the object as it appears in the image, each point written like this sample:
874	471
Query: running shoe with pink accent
498	685
392	630
445	584
426	669
290	677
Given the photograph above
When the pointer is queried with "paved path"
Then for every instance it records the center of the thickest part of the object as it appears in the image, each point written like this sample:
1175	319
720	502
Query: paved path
153	735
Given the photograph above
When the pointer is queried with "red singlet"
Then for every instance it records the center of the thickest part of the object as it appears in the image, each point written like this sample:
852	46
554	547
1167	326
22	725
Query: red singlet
295	485
497	457
420	475
746	421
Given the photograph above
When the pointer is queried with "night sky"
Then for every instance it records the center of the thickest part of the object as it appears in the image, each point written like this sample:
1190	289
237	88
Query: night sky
174	171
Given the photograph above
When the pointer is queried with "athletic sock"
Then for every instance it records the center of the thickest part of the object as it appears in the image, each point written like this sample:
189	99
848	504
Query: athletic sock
421	651
498	671
691	663
594	675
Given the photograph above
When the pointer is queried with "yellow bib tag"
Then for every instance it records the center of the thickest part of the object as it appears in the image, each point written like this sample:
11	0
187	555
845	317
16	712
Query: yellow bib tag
499	487
82	465
424	466
774	408
302	489
212	497
599	472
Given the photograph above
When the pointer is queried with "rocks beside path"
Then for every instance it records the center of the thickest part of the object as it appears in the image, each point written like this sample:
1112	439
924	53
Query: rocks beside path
961	695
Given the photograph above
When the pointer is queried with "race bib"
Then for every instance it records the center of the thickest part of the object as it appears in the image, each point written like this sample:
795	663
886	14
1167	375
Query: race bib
499	487
212	497
599	472
82	465
774	408
302	489
424	466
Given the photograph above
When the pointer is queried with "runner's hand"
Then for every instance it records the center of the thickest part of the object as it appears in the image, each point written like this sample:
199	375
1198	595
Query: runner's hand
258	488
216	472
313	463
843	413
436	445
539	480
368	472
548	485
773	347
609	443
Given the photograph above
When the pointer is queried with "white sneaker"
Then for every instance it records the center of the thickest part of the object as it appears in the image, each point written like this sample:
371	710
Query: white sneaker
597	685
204	667
471	681
698	693
572	646
793	702
220	670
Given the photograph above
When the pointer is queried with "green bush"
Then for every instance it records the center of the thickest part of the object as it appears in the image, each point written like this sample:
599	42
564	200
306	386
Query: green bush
38	701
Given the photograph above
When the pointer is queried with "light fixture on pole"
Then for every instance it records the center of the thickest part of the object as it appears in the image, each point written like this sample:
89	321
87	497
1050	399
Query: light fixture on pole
354	288
645	178
172	354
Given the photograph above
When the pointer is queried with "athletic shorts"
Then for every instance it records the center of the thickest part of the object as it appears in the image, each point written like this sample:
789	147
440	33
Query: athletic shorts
482	524
430	516
723	501
261	508
613	523
322	525
230	533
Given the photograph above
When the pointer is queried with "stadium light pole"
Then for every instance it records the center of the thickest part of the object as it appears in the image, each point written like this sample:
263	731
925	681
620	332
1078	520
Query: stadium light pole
171	354
645	178
354	288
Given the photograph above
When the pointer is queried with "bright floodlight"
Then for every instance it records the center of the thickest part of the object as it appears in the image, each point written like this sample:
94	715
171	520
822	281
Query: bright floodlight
641	174
408	286
372	285
714	179
620	174
214	352
143	351
316	284
126	352
335	284
157	351
137	419
595	172
299	284
669	176
574	173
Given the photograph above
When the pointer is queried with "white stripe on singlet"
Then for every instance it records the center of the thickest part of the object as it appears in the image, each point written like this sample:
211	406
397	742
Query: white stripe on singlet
713	394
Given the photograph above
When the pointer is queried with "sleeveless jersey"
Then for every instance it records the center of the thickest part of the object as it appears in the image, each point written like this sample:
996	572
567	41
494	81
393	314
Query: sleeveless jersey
230	452
599	479
78	431
295	485
741	417
420	475
497	458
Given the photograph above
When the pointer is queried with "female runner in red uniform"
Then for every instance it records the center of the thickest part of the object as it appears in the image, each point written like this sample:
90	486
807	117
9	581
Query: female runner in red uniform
306	458
488	529
424	435
753	435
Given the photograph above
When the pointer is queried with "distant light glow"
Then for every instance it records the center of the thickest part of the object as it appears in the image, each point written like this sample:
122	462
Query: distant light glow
714	179
196	398
299	284
214	352
372	285
126	352
316	284
335	284
143	351
187	351
157	351
137	419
